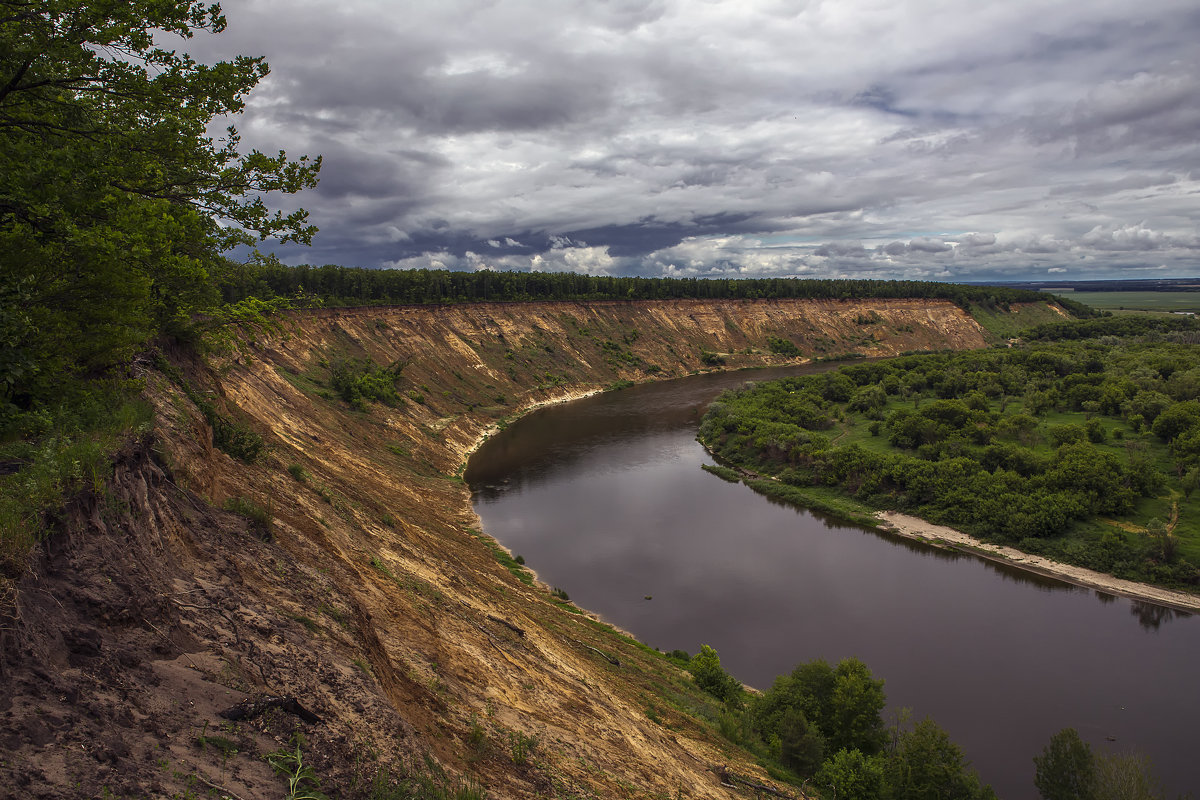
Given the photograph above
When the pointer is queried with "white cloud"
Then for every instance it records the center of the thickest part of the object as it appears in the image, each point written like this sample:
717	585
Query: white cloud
660	136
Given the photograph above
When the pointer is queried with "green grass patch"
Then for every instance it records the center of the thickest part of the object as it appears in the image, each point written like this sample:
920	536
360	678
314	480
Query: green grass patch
724	473
1007	324
506	560
260	517
48	455
1139	301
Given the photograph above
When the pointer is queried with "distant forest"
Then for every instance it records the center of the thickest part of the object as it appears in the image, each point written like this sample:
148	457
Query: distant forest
349	286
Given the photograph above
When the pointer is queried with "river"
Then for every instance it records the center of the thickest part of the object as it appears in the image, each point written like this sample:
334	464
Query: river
605	498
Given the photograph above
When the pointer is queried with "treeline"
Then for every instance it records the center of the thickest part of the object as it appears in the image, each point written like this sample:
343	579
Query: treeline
342	286
1019	445
822	726
1118	326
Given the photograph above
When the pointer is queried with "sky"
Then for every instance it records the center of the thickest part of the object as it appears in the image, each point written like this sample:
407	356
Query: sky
907	139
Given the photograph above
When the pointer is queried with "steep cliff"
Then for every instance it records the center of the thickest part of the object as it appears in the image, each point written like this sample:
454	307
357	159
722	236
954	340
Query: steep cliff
355	578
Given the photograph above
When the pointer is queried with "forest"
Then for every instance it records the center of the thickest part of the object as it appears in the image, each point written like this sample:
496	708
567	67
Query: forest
1082	445
331	285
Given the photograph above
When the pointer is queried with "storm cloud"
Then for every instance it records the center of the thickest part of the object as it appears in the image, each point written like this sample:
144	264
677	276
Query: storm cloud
737	137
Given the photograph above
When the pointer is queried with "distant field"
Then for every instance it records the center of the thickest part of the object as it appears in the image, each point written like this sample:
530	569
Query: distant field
1138	301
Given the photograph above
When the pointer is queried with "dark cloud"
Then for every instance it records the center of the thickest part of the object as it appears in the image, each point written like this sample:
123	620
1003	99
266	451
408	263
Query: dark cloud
735	138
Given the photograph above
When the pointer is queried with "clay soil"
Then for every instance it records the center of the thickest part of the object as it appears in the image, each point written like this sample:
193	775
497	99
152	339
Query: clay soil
366	590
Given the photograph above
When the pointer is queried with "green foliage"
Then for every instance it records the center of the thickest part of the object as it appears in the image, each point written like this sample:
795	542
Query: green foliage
835	708
710	676
783	347
49	454
260	518
357	287
711	359
943	437
116	201
360	380
302	781
928	766
521	747
849	775
1066	769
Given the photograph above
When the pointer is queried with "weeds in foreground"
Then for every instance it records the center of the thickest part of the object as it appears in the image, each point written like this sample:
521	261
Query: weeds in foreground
521	747
428	783
48	454
302	781
261	519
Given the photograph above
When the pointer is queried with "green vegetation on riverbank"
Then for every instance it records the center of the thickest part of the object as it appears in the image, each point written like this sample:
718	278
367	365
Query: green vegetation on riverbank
822	726
1085	450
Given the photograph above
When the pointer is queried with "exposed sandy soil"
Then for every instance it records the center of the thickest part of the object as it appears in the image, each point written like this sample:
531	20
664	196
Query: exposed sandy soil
373	600
916	528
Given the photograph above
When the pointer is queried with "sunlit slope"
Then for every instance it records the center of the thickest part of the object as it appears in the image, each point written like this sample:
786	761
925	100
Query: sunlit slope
376	601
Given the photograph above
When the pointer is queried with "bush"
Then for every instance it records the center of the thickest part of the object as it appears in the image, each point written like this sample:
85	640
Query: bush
706	668
358	380
783	347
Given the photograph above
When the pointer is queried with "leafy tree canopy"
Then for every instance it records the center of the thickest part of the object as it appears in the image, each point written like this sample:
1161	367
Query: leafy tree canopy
115	201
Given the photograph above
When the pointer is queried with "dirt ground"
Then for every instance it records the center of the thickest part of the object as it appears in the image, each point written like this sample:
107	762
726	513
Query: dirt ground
365	591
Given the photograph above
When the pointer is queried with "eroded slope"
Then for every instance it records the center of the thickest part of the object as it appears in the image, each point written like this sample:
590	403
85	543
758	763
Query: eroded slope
375	603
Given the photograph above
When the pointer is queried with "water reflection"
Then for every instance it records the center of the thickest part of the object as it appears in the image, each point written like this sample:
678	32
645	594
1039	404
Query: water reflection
607	500
1151	617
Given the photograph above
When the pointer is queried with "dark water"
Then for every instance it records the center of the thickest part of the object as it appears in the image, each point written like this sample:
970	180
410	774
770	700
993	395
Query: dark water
606	499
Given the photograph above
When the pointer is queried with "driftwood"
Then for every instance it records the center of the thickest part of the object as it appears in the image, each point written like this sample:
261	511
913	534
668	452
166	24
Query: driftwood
732	779
249	709
616	662
508	625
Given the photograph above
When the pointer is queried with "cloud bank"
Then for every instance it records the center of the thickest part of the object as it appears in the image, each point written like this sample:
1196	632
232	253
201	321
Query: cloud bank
751	138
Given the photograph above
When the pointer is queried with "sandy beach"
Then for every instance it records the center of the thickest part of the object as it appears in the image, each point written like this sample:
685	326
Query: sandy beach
916	528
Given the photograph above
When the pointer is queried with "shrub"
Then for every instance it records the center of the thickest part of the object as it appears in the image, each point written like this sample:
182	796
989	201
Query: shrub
783	347
706	668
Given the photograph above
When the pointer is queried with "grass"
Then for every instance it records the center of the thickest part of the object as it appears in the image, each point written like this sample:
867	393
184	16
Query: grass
1002	324
1139	301
501	555
260	517
50	455
298	472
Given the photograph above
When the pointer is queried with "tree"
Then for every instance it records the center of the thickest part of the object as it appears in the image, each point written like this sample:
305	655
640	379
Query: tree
114	200
710	676
801	746
928	766
1066	769
857	706
849	775
1127	776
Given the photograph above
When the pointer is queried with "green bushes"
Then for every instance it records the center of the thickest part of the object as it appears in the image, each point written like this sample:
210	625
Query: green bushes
706	668
358	380
783	347
1014	445
822	726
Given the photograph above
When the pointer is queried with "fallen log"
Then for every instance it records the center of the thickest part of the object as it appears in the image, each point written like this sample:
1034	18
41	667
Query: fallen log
249	709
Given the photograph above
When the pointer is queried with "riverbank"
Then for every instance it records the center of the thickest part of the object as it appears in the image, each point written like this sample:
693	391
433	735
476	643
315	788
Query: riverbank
921	530
918	529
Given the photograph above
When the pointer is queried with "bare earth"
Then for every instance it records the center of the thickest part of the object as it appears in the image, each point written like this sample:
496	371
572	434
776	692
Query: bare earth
917	528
